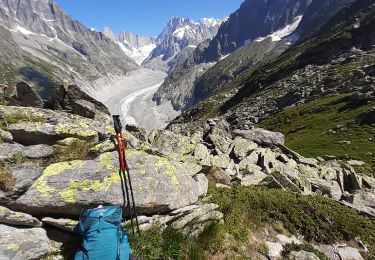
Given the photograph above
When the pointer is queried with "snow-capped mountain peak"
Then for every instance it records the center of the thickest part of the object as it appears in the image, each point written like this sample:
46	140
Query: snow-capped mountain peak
135	46
180	33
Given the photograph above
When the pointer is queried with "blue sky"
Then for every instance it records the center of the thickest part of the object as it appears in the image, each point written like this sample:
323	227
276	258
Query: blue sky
145	17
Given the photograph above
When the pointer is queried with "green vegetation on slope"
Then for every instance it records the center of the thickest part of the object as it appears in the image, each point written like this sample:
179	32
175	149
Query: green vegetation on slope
317	218
248	210
323	127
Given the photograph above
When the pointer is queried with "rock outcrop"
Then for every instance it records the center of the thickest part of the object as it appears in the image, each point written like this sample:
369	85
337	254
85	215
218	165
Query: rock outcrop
157	181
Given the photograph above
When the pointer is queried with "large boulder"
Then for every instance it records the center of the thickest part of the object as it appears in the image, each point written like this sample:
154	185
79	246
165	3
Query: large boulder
68	187
78	102
261	136
27	96
42	126
170	143
29	243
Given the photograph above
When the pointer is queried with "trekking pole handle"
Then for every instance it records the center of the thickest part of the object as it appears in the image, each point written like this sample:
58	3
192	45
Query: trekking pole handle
117	123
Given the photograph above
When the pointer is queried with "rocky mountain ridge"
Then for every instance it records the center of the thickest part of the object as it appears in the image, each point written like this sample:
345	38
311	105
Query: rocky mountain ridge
52	46
183	87
180	36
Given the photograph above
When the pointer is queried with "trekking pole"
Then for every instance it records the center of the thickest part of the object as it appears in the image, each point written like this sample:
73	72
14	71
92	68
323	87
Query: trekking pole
130	183
118	127
125	168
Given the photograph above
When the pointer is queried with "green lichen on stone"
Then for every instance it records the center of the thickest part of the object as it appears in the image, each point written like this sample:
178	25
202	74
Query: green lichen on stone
2	209
80	129
164	166
106	161
41	184
110	129
13	247
70	193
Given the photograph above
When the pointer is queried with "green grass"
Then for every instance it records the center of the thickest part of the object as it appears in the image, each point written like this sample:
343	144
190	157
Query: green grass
317	218
23	116
76	150
169	244
248	210
7	180
15	159
306	129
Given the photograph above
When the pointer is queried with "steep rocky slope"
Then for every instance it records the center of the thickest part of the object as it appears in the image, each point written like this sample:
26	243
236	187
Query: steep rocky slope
337	62
188	83
55	40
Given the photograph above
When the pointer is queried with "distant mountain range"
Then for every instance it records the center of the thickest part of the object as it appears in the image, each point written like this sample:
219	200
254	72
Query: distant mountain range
287	21
50	46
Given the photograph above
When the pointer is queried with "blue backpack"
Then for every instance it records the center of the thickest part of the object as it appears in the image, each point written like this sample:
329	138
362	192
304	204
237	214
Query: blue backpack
102	234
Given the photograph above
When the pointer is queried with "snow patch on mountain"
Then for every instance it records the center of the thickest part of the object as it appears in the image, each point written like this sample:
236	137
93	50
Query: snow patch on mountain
284	32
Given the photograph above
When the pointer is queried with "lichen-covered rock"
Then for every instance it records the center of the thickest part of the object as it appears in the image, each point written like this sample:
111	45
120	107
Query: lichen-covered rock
221	161
262	136
202	154
253	178
38	151
194	214
68	187
170	143
106	146
202	182
5	136
8	150
42	126
324	187
243	147
302	255
25	174
10	217
218	175
61	223
25	243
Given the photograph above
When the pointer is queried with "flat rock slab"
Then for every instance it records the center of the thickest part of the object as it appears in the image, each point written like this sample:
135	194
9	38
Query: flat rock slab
61	223
68	187
10	217
42	126
38	151
25	243
8	150
262	136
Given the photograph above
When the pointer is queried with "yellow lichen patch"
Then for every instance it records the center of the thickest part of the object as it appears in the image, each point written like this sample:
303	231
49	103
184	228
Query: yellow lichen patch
106	161
70	193
41	184
81	130
165	166
110	129
2	208
13	247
